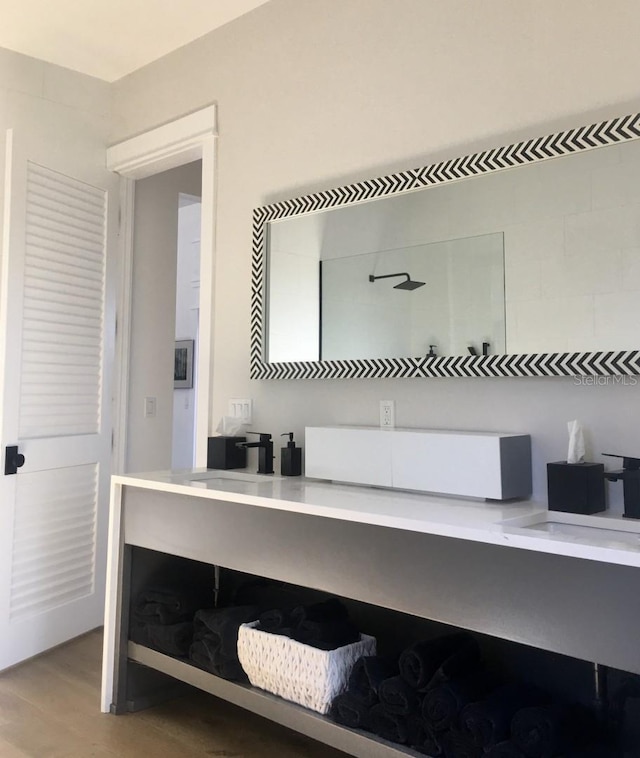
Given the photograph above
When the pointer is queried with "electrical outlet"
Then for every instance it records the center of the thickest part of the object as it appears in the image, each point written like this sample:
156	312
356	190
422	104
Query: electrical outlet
149	407
241	408
387	413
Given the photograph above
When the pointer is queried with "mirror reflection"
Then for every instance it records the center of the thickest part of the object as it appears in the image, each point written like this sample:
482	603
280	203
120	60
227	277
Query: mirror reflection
536	259
446	298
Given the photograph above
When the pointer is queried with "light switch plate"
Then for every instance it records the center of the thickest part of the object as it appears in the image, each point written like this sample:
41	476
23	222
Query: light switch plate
241	408
149	407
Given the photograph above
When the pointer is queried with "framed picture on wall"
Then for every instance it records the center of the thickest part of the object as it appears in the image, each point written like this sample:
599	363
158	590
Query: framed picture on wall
183	365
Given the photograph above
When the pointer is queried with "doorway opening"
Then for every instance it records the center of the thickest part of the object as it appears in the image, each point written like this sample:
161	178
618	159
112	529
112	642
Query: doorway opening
185	375
163	331
187	140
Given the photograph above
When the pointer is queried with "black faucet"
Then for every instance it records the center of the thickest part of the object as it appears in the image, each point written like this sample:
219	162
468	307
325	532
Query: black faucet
630	475
265	454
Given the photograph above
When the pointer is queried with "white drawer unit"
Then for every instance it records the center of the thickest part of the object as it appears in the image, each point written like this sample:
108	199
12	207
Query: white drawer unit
491	465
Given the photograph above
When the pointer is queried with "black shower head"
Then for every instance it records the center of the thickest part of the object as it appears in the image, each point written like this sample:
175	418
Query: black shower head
409	284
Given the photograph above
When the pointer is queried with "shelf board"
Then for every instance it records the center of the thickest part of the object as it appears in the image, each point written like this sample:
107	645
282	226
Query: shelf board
302	720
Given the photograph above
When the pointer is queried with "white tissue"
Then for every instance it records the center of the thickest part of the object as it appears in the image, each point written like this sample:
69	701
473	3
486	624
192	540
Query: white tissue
230	427
575	453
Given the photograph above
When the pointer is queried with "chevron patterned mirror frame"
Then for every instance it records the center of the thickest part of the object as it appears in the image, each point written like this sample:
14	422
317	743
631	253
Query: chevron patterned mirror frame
577	364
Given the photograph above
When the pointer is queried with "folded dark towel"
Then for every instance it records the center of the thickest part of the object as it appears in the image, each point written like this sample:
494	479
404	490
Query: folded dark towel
541	732
398	697
389	726
434	661
367	675
155	605
489	721
220	626
457	744
349	710
215	640
207	657
505	750
326	635
442	704
172	639
421	739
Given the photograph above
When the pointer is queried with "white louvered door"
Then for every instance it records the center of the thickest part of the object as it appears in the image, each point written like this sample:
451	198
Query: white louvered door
56	341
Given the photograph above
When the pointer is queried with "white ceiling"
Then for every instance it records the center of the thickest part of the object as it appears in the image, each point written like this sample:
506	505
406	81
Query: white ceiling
110	38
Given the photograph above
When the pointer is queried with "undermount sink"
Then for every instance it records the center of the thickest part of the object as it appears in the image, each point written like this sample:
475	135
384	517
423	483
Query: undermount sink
605	531
219	476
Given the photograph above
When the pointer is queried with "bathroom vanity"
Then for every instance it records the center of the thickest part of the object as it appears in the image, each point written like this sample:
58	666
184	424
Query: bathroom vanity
555	581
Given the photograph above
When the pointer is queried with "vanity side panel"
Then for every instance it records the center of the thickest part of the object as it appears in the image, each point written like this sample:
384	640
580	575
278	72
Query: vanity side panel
515	466
566	605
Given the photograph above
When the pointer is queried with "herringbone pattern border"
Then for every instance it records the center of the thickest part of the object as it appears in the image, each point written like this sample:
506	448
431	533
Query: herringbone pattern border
543	364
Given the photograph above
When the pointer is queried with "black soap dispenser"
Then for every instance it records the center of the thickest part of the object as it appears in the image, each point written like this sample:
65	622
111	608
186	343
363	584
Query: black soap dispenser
290	457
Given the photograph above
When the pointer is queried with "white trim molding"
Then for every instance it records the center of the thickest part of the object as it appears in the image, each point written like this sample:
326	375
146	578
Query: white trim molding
190	138
164	147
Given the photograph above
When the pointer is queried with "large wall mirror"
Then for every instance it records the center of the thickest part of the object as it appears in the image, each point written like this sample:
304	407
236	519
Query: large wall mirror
519	261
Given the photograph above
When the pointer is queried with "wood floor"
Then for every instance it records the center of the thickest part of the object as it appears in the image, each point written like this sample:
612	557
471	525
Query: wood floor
49	708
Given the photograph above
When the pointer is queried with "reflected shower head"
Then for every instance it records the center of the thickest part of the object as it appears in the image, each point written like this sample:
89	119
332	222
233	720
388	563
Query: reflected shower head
409	284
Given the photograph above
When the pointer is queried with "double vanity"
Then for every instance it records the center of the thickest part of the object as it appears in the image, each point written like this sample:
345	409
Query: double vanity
535	219
563	583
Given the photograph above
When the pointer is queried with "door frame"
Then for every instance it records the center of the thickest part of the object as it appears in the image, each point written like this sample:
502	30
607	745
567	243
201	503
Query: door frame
187	139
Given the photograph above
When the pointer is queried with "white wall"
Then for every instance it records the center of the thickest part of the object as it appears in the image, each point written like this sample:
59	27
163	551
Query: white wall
153	314
187	309
315	94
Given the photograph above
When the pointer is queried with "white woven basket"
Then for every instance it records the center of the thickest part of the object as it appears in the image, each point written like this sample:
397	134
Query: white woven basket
295	671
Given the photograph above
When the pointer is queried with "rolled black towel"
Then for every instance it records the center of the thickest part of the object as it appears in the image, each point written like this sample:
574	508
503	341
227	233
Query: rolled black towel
349	710
442	704
157	605
326	610
463	661
457	744
488	721
420	738
443	658
275	620
326	635
506	749
389	726
398	697
545	731
220	626
367	675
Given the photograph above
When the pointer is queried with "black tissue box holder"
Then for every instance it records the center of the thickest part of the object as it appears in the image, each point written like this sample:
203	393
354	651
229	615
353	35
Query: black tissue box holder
576	487
222	453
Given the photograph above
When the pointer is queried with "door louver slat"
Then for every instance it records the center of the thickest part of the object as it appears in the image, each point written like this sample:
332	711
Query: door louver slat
54	539
63	304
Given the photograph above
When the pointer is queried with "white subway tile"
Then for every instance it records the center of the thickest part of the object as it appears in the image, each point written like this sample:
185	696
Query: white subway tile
602	230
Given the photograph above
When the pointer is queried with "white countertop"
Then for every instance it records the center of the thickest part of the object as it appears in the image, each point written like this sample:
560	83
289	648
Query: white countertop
606	537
